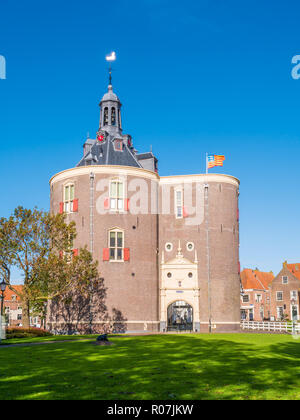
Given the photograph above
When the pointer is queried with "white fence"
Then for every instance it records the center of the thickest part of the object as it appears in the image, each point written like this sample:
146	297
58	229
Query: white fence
281	327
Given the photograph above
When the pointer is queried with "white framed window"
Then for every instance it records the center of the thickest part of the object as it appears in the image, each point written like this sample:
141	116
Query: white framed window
178	196
285	279
69	191
116	245
294	294
116	194
246	298
258	298
279	296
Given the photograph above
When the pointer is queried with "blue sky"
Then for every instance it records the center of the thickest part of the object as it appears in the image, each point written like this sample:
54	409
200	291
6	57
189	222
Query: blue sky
193	77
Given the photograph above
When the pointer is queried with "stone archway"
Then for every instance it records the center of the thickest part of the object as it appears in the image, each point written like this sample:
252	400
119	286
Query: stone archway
180	316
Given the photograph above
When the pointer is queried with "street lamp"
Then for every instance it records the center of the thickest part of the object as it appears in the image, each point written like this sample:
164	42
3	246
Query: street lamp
2	288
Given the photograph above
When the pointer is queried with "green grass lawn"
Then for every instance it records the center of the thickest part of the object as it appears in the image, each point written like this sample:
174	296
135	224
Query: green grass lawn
163	367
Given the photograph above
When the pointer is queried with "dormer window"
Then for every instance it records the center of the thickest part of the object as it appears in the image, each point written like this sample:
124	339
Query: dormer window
118	145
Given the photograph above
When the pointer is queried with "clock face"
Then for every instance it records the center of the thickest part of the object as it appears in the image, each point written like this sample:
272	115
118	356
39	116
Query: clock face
100	136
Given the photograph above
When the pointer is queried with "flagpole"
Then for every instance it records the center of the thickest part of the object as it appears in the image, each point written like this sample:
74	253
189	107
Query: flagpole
206	163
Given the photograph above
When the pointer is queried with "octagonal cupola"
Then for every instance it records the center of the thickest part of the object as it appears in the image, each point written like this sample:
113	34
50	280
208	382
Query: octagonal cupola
110	112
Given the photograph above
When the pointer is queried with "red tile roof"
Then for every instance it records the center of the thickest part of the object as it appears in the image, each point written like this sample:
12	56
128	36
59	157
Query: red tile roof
295	269
8	294
255	279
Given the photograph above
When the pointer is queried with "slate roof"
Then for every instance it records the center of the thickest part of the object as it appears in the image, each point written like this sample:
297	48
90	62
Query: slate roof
147	155
105	154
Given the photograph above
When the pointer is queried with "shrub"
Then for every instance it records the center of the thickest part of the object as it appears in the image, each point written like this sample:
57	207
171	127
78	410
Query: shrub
19	332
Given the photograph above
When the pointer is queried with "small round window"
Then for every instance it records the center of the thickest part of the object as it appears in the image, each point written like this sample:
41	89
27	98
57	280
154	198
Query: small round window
169	247
190	275
190	246
169	275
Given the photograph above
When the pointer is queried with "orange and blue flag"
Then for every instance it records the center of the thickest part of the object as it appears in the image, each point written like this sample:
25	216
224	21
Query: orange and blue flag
215	160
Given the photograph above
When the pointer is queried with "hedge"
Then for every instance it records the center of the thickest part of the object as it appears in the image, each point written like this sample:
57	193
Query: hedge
19	332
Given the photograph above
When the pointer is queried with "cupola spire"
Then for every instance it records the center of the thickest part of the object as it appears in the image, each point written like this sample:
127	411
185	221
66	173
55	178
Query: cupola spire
110	106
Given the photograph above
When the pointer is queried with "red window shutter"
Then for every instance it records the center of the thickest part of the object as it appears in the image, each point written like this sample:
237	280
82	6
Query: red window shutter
238	215
105	254
126	204
75	252
61	207
184	212
75	205
106	204
126	254
239	267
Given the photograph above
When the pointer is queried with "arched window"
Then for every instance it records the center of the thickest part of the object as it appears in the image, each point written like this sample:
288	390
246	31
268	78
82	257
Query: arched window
116	245
113	116
105	117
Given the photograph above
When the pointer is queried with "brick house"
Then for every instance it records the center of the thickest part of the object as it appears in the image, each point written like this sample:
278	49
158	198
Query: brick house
284	293
12	307
255	297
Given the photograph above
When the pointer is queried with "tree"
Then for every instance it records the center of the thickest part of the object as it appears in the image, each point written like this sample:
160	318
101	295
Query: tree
30	240
40	245
67	283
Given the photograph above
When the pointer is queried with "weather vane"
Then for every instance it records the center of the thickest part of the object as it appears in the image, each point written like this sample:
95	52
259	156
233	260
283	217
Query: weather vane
110	58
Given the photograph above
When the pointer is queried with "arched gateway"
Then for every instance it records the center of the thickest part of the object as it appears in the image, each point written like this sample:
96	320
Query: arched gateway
180	316
179	293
